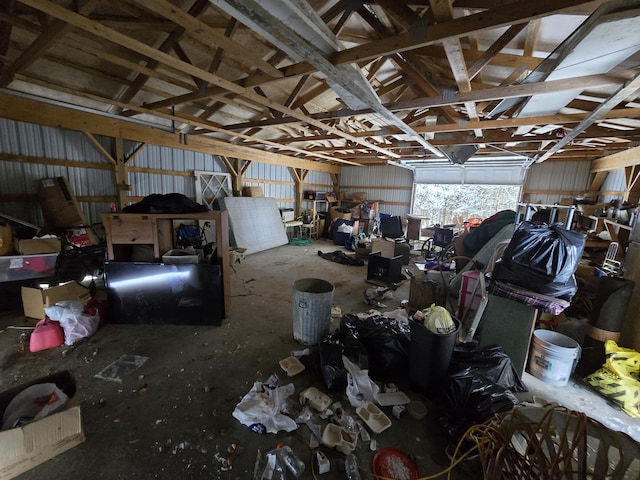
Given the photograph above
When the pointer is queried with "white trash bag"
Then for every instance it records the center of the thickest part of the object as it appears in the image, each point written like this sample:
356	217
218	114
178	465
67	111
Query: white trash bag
33	403
260	409
360	388
74	321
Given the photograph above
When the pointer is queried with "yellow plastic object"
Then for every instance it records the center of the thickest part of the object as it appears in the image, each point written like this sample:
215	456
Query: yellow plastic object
618	378
438	319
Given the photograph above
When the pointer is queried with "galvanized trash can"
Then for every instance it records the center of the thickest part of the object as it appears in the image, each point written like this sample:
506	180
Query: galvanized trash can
312	300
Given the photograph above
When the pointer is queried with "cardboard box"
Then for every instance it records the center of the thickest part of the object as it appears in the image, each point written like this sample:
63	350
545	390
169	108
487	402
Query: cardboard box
34	246
34	299
6	240
359	196
59	205
385	246
252	192
363	252
340	212
23	448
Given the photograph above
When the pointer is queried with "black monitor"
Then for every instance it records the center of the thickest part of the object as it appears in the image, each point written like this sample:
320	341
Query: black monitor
157	293
391	227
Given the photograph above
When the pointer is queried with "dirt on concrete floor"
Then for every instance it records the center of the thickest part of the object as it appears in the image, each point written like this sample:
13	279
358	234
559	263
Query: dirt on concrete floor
172	417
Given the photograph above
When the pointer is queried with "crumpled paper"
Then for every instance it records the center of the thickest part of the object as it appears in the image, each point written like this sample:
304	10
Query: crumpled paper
260	409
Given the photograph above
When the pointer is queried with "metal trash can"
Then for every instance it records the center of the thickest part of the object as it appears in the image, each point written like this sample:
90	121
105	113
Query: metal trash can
312	300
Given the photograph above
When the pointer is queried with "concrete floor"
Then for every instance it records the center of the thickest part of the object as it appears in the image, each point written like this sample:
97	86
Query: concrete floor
171	418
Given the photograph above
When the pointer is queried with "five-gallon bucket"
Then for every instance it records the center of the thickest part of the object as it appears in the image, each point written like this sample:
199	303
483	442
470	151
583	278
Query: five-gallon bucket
553	357
312	300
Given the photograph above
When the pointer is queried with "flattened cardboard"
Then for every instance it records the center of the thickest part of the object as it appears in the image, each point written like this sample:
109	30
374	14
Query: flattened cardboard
59	205
23	448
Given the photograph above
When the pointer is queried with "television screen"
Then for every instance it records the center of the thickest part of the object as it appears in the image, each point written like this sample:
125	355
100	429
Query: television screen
391	227
157	293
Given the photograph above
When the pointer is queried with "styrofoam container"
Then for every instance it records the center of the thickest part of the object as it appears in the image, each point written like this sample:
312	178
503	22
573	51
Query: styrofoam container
335	437
392	398
317	400
375	418
291	365
180	256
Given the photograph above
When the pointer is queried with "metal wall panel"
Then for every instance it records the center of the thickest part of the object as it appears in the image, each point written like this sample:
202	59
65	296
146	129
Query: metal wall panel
392	186
614	182
545	179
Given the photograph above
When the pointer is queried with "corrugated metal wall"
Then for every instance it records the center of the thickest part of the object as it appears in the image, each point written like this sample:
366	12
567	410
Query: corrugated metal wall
68	152
392	186
72	155
549	182
615	182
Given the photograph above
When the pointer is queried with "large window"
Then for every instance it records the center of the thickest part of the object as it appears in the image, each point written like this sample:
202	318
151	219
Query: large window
453	204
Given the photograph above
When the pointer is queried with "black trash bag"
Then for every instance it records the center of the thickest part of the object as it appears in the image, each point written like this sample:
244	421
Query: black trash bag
541	258
551	251
326	360
338	256
166	203
470	399
387	342
490	361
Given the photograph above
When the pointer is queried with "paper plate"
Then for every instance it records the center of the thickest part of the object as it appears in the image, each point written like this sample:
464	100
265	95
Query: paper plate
394	464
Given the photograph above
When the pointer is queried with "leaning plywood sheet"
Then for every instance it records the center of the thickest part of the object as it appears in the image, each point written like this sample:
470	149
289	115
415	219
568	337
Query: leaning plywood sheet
256	223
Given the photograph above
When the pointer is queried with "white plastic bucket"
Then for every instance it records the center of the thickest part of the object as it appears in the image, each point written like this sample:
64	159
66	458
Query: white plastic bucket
312	299
553	357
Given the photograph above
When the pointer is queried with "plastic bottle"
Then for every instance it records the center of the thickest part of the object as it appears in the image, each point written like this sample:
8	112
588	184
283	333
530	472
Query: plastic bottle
293	463
351	467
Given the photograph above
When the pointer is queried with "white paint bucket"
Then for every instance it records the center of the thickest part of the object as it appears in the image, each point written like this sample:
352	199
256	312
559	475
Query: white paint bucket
553	357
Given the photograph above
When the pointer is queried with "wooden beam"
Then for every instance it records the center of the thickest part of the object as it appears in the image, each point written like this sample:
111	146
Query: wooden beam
504	16
100	148
621	94
617	161
195	121
32	111
533	32
442	11
495	48
118	38
54	30
208	35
